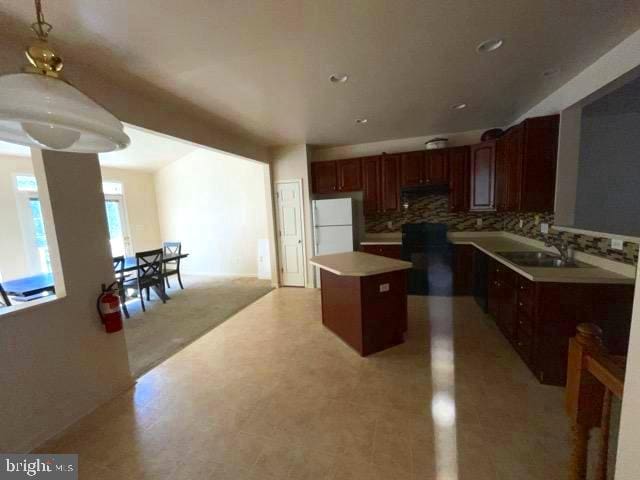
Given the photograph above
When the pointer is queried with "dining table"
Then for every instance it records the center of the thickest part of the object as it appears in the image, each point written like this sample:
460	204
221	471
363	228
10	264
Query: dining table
39	285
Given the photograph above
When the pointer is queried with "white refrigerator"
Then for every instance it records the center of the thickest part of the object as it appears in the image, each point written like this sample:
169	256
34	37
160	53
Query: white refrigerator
333	230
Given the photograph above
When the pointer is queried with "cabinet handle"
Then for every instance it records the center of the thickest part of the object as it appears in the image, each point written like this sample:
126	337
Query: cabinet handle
521	287
521	304
520	344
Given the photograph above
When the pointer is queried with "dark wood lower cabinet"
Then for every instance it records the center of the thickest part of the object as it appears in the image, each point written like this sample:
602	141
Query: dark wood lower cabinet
368	313
538	318
463	269
391	251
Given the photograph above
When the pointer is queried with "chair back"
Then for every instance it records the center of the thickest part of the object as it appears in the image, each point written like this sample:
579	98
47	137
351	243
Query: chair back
173	249
4	298
118	268
149	267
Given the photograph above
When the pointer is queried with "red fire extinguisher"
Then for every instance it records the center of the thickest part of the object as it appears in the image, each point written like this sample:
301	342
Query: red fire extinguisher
109	308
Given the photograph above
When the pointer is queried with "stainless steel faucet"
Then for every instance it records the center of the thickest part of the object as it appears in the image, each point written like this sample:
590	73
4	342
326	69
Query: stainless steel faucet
561	245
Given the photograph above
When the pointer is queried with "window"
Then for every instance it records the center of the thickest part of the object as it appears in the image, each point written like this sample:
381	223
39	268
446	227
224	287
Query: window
116	218
37	255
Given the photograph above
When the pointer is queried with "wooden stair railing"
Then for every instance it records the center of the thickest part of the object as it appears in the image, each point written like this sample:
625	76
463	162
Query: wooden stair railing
592	377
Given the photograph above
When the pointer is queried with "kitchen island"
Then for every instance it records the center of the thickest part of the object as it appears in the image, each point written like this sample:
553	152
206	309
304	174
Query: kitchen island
364	299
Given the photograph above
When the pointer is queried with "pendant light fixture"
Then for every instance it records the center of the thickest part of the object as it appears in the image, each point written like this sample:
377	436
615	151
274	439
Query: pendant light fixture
38	108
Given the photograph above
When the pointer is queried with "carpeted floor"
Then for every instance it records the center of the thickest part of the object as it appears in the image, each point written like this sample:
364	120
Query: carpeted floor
166	328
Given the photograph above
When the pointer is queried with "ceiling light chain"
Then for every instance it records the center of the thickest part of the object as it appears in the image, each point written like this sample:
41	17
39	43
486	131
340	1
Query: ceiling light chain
41	27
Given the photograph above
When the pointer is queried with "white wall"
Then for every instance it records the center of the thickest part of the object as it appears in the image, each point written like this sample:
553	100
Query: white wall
141	207
57	363
140	200
291	162
215	205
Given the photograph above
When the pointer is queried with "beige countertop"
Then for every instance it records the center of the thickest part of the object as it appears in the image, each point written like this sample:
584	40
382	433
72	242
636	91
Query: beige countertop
492	244
358	264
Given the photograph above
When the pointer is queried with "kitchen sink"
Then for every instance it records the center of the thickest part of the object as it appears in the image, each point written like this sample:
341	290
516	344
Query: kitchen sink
540	259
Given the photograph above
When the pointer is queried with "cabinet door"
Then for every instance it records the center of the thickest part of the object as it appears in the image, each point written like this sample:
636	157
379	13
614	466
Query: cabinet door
437	166
513	169
459	179
324	178
463	270
412	169
502	148
371	198
539	157
349	175
483	176
390	175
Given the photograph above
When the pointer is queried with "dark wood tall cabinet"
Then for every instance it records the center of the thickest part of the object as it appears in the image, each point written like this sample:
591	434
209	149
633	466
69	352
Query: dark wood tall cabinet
459	179
390	182
371	198
526	157
482	173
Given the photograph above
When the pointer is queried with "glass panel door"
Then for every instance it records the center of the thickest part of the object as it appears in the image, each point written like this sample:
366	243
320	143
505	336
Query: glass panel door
118	231
40	237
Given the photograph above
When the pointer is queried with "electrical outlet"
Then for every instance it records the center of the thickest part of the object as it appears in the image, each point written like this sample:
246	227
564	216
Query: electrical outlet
479	223
617	244
384	287
521	224
544	228
390	225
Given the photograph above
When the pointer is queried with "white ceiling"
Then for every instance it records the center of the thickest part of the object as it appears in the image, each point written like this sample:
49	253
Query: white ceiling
147	151
264	65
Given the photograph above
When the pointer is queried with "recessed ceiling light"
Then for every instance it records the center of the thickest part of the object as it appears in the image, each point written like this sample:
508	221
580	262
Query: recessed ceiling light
490	45
338	78
459	106
550	72
361	121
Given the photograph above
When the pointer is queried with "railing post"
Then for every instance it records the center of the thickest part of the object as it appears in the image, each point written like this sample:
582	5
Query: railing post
583	396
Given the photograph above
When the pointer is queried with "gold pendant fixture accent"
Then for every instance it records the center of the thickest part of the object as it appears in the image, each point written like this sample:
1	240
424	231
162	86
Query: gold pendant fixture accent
41	56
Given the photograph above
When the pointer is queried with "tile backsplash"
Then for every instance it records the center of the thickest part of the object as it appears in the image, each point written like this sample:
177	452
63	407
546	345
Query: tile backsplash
435	208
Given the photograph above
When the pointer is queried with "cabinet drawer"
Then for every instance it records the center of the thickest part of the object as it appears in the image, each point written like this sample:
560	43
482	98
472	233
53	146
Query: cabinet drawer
525	322
524	344
391	251
526	296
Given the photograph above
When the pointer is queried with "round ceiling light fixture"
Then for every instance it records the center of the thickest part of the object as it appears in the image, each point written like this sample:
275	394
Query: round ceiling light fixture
490	45
338	78
459	106
38	108
361	121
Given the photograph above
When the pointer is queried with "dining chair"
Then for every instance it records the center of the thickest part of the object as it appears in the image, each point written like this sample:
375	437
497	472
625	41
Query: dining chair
172	267
149	271
121	277
4	298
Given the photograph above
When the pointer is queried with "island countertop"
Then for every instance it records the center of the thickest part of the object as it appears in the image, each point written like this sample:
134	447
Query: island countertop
358	264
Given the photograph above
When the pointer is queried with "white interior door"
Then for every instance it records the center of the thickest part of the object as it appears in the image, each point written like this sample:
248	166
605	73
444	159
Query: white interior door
290	233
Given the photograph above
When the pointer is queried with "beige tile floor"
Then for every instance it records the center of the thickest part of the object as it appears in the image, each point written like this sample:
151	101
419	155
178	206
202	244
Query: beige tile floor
270	394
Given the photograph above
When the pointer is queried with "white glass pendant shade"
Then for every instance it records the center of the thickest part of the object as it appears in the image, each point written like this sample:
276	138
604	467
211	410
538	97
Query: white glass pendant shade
44	112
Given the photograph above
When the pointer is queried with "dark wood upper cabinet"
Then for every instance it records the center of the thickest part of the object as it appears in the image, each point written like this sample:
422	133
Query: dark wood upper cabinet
390	182
412	169
349	175
538	151
371	197
437	166
526	166
459	179
324	177
482	173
